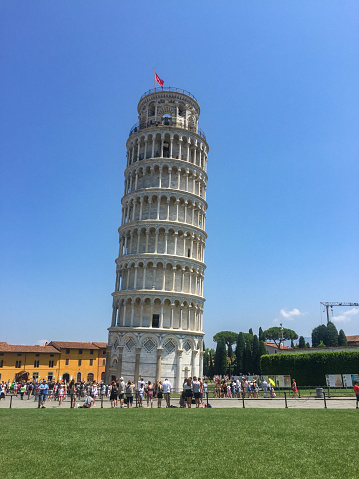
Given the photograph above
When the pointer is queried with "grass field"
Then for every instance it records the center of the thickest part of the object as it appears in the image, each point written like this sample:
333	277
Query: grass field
179	443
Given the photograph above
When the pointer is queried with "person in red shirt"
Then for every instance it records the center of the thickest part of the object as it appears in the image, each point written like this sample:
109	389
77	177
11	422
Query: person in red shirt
356	391
294	389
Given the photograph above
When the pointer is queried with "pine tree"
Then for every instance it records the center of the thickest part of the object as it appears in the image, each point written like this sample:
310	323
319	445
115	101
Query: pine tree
240	353
318	334
342	339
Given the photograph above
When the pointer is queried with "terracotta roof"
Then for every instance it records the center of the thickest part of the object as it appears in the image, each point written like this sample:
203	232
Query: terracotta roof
353	339
273	345
72	345
100	345
26	348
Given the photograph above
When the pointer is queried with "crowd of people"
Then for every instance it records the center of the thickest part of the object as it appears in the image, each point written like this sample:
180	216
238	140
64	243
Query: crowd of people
242	387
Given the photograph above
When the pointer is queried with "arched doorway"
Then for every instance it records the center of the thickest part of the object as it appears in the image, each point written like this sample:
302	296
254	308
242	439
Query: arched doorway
66	377
78	377
103	377
90	377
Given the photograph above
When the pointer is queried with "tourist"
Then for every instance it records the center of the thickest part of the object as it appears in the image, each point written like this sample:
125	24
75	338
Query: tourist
149	393
129	388
61	393
188	392
205	389
88	402
94	393
196	384
121	391
114	395
294	389
265	388
166	388
43	390
356	391
72	392
159	394
141	390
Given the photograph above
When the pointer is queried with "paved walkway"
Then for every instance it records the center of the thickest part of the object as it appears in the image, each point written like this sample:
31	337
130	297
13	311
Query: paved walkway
261	403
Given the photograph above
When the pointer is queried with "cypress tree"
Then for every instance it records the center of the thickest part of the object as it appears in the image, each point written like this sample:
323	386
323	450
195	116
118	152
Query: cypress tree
301	342
240	353
255	355
342	339
261	352
260	335
247	356
331	335
220	359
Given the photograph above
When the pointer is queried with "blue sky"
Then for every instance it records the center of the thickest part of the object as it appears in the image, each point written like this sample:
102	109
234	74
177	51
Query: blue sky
278	85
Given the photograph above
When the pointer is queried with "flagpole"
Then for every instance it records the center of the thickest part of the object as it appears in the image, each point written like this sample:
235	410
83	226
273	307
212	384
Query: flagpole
154	78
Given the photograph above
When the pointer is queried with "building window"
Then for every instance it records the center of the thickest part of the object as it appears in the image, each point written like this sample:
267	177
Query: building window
104	352
67	351
18	364
36	363
155	320
79	362
1	354
104	362
19	354
67	362
51	364
52	355
1	363
91	362
50	376
80	351
91	351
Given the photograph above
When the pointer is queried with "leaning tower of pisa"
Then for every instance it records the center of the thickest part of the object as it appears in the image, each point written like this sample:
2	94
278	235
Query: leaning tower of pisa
157	321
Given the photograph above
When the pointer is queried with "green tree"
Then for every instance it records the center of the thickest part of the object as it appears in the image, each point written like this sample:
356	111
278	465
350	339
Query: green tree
247	357
342	339
278	335
220	359
318	334
240	353
260	335
229	337
211	365
307	345
301	342
321	345
230	355
255	355
250	331
261	352
331	335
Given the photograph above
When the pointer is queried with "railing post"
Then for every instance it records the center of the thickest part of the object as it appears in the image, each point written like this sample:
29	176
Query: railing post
325	402
285	399
72	399
11	401
243	401
101	401
38	406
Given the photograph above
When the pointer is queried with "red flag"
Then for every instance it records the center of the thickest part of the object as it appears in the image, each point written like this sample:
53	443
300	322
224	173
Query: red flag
158	80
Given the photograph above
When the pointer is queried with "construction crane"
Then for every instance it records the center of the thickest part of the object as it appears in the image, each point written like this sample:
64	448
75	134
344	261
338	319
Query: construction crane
330	305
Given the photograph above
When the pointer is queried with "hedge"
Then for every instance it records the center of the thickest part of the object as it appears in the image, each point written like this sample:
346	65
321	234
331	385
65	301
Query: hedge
309	369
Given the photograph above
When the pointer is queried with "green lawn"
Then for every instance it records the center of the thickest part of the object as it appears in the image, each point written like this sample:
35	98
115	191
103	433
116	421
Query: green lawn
179	443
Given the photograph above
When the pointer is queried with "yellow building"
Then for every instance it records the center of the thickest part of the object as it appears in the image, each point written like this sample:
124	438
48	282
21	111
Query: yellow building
28	362
56	361
81	361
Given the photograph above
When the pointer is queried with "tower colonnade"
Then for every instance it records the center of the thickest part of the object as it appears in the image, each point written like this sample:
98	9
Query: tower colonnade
157	315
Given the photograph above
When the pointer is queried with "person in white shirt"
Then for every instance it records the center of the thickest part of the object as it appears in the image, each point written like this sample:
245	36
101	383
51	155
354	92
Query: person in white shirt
166	388
196	384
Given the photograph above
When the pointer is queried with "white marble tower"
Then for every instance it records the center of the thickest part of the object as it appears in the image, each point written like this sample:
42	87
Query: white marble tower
157	321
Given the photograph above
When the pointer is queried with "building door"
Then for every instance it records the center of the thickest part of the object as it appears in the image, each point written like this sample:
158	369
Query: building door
66	377
78	378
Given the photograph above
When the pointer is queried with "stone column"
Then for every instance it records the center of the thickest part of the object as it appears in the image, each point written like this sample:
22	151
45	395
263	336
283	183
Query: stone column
114	313
193	365
180	149
141	314
119	363
200	372
145	152
171	320
135	280
108	365
171	148
124	315
119	307
166	242
169	177
153	146
147	235
180	320
158	364
141	207
179	379
161	317
151	315
144	277
132	313
137	365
